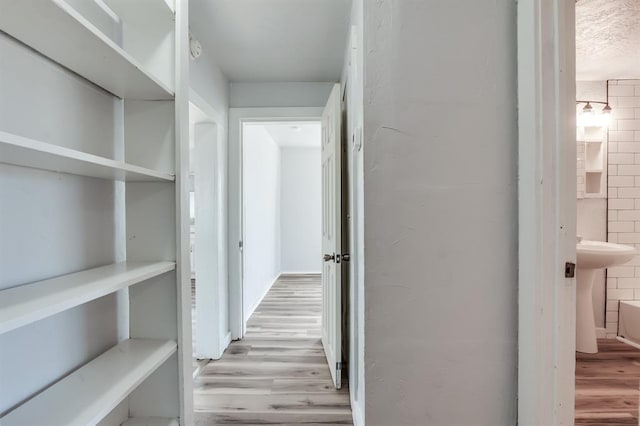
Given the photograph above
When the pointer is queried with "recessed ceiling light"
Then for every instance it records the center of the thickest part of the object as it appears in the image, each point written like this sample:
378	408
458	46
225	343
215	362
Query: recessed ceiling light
295	128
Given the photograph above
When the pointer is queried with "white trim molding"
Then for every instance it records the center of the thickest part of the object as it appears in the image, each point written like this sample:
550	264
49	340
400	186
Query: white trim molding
205	107
547	211
253	308
211	300
357	413
237	117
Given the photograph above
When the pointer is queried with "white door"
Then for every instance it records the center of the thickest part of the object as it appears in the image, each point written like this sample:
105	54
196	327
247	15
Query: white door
331	232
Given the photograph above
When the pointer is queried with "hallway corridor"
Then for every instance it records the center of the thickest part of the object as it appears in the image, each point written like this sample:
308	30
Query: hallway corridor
278	373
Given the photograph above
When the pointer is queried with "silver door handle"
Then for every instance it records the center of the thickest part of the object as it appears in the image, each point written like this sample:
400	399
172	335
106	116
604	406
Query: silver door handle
329	257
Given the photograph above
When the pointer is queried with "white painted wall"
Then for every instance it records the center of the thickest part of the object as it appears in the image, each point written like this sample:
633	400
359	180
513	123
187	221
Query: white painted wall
261	191
301	210
440	198
208	82
209	294
54	224
290	94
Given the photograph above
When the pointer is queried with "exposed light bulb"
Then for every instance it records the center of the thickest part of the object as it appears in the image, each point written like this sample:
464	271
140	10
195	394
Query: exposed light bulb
606	115
587	118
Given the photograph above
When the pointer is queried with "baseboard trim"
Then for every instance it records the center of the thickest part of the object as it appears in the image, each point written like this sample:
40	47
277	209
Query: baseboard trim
357	414
294	273
252	309
201	364
224	344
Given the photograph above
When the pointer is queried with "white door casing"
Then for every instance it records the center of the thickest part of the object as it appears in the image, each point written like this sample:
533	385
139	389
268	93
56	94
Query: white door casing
237	118
205	251
212	326
331	235
547	211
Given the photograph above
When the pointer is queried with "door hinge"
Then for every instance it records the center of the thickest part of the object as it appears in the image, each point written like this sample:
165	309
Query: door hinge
240	245
569	270
338	366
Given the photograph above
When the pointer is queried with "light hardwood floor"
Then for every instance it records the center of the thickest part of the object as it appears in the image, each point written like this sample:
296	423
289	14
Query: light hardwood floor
278	374
608	385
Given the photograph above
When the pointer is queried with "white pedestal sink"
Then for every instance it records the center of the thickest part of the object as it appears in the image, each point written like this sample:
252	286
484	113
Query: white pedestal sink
591	256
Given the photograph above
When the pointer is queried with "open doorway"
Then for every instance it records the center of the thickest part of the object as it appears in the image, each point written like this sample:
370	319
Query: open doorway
330	211
281	207
608	206
577	177
283	367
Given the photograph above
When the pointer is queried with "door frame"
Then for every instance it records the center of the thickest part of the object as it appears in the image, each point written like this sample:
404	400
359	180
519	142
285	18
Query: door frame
210	309
546	211
237	118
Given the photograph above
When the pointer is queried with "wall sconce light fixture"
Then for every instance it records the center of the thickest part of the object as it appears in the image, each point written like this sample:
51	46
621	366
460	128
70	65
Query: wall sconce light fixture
589	119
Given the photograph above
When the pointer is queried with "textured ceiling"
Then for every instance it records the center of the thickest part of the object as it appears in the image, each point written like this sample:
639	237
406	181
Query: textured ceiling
274	40
607	39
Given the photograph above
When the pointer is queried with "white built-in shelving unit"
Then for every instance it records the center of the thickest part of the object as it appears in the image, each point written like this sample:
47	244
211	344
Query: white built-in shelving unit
22	305
59	32
149	370
25	152
91	392
593	141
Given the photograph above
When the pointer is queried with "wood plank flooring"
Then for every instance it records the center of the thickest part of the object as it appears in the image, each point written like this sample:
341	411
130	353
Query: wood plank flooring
278	374
608	385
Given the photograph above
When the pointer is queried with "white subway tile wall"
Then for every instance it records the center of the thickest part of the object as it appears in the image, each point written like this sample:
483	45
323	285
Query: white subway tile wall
623	282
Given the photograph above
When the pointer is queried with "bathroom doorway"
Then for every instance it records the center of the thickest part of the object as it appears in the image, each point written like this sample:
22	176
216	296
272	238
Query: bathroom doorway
569	187
608	212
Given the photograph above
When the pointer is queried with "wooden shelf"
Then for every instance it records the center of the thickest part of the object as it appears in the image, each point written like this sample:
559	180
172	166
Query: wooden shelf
59	32
25	304
21	151
91	392
151	421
